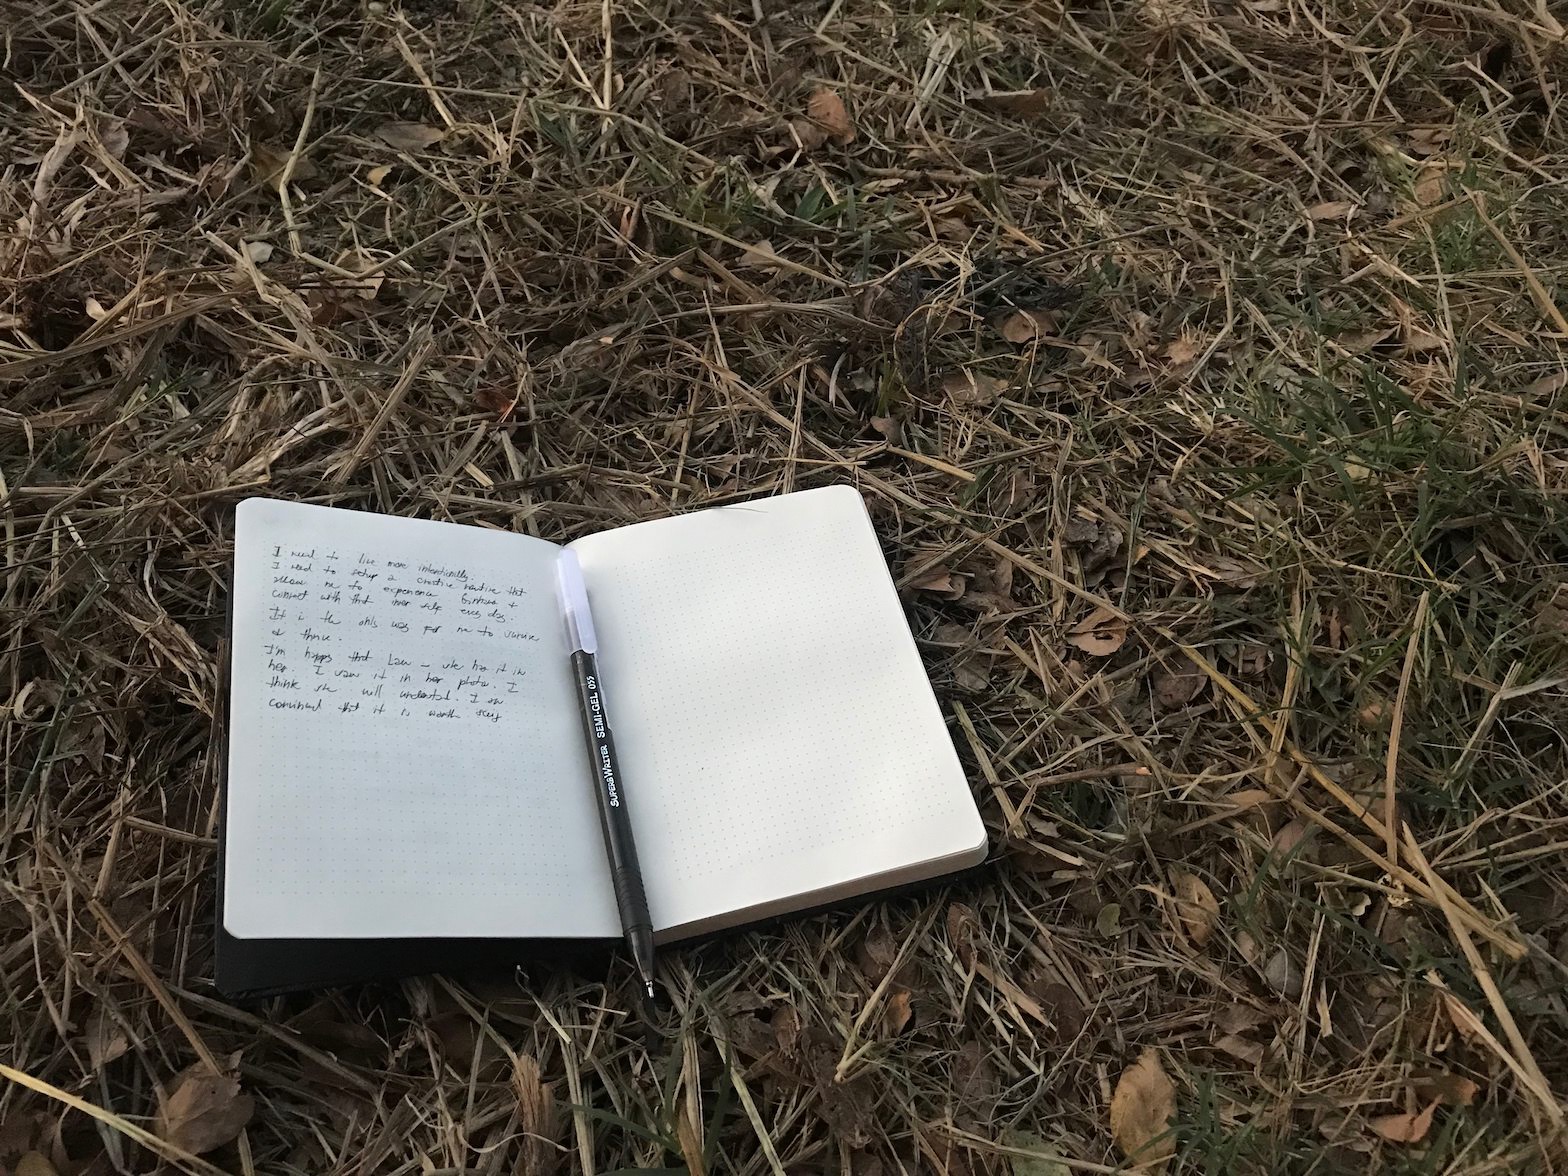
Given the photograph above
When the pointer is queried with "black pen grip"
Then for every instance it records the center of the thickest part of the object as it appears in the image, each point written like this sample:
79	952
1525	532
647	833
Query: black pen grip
631	899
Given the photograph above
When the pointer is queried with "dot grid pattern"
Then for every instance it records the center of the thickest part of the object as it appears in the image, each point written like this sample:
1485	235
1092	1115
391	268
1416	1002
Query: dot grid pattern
777	729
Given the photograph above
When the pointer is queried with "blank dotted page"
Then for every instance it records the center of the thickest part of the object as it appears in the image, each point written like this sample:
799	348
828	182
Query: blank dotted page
405	756
777	731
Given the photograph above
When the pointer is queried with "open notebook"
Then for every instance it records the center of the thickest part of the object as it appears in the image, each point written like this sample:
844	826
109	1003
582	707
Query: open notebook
408	786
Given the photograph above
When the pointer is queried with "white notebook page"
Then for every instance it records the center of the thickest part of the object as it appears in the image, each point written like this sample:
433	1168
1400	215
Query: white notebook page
405	756
777	732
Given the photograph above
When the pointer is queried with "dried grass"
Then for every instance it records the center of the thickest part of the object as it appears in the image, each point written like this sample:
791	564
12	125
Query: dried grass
1246	536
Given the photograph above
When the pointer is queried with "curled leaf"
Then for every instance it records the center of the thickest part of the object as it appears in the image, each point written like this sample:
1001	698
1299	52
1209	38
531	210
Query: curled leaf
405	136
1025	326
1101	633
204	1110
1196	907
1142	1107
827	110
1404	1128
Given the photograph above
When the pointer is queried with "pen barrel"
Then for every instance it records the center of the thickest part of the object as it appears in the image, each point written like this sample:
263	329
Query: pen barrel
631	899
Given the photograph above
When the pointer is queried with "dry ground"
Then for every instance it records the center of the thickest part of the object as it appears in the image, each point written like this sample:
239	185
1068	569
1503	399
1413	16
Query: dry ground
1202	363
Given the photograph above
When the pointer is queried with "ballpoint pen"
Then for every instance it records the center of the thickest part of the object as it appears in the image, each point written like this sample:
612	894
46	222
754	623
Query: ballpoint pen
609	787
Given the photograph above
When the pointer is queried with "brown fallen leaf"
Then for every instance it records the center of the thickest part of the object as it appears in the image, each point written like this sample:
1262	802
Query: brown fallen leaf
891	429
761	256
203	1110
1331	210
827	110
1546	386
786	1029
967	387
105	1039
1025	326
497	399
1179	685
1404	1128
404	136
898	1012
931	574
1021	103
1142	1107
1247	798
1419	340
1182	350
267	164
1430	187
1100	634
1240	1048
1453	1089
963	932
1233	573
1239	1018
1196	907
1283	974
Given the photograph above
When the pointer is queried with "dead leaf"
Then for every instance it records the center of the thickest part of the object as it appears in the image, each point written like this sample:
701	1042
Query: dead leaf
1108	923
1233	573
897	1013
1545	386
761	256
1453	1089
267	164
1142	1108
1465	1019
403	136
967	387
1182	350
1359	342
1026	326
1290	837
1179	685
204	1110
376	175
1282	974
1196	907
1247	798
366	285
1021	103
105	1039
1331	210
495	398
115	138
891	428
1239	1018
1240	1048
827	110
934	576
1430	187
786	1029
1042	1160
1418	341
1426	141
1101	633
1404	1128
963	932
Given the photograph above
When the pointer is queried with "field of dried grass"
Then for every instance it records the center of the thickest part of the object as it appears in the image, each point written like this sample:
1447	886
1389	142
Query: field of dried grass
1203	364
